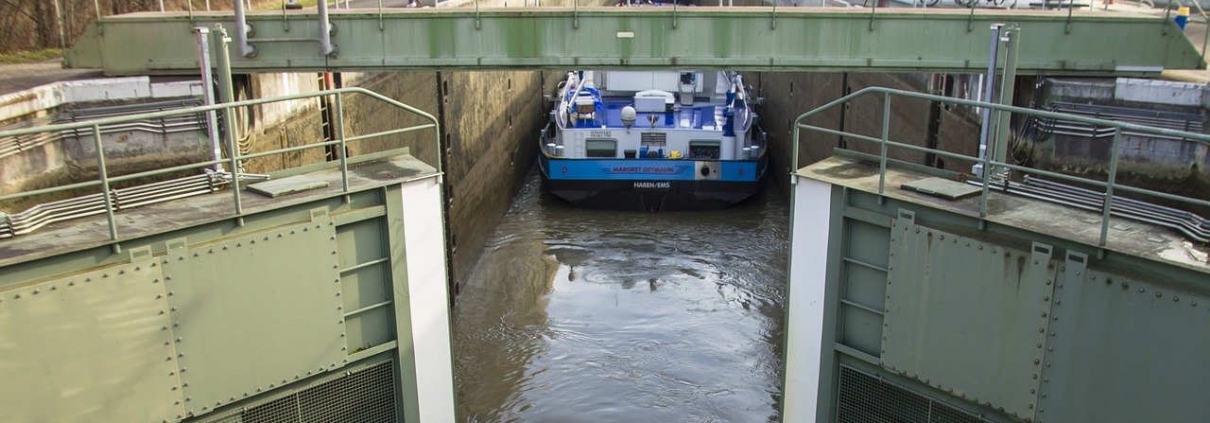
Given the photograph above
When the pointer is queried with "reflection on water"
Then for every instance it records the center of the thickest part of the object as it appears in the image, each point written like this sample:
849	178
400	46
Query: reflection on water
579	315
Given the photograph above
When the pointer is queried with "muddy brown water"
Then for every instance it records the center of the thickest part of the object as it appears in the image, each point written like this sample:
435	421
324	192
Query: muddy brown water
575	315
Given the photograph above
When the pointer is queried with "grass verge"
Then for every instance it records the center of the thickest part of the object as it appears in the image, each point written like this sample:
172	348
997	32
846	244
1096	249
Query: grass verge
31	56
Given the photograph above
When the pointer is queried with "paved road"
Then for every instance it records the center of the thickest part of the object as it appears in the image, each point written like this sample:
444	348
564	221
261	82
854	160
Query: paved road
14	78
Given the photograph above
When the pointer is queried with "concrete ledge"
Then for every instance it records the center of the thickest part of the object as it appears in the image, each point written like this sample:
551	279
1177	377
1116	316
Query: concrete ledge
49	96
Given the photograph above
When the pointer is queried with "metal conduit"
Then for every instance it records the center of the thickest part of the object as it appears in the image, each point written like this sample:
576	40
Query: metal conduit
163	125
1158	119
124	198
1187	223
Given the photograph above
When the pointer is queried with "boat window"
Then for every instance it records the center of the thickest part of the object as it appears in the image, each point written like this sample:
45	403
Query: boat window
602	147
704	149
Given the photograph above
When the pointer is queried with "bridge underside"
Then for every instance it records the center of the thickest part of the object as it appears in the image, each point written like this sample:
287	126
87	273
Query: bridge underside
750	38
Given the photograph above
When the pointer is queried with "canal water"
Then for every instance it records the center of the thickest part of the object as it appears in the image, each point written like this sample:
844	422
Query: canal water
577	315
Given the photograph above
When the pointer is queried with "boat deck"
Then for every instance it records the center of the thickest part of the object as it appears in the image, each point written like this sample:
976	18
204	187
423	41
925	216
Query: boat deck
700	116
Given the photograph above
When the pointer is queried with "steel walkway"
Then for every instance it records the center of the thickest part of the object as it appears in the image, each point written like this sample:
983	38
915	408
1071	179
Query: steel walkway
749	38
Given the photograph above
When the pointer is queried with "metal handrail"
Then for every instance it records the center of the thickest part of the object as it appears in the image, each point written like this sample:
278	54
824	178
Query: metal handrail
1109	185
235	159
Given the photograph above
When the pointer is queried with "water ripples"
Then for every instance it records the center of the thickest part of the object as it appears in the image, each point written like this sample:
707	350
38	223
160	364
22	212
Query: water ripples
578	315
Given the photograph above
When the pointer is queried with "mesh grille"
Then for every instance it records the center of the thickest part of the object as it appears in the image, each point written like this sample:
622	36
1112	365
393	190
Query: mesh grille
367	396
657	138
364	397
867	399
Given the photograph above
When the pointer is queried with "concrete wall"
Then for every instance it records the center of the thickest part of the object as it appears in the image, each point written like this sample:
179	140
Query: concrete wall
787	95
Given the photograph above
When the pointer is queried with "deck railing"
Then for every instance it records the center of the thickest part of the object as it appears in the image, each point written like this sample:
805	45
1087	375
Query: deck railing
13	225
1110	186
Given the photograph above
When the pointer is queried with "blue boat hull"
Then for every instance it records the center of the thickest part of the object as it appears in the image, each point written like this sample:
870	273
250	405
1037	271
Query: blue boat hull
652	185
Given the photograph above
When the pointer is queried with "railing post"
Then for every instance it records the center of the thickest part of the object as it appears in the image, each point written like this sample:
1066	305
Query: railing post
873	10
63	33
203	53
1008	86
575	14
794	153
886	134
227	96
96	5
773	18
989	83
104	175
344	148
1107	203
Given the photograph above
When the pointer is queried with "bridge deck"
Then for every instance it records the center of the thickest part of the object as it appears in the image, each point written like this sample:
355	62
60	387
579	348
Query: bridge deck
752	38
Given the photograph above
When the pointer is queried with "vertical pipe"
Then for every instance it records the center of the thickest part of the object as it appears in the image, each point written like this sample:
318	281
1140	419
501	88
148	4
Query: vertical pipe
325	30
203	57
207	4
161	6
989	81
794	153
1206	37
227	95
344	149
1107	203
241	29
63	34
886	134
381	27
104	174
1008	85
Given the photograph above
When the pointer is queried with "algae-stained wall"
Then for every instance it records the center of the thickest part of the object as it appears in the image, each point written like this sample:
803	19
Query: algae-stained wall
489	126
789	94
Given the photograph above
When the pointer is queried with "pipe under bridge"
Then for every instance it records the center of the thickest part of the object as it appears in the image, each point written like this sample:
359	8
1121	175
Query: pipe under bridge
748	38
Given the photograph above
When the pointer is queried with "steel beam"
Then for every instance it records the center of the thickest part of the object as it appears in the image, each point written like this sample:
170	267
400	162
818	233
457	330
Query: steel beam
804	39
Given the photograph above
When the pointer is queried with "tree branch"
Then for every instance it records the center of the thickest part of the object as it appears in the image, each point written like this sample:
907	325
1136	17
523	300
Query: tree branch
18	8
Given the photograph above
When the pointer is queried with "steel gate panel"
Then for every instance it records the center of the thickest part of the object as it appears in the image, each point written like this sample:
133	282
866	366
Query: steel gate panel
256	312
966	317
91	347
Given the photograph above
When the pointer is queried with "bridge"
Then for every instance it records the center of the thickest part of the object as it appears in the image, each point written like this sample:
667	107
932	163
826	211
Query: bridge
322	296
748	38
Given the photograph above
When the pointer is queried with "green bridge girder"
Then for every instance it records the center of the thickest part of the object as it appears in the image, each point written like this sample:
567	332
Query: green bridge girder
749	38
